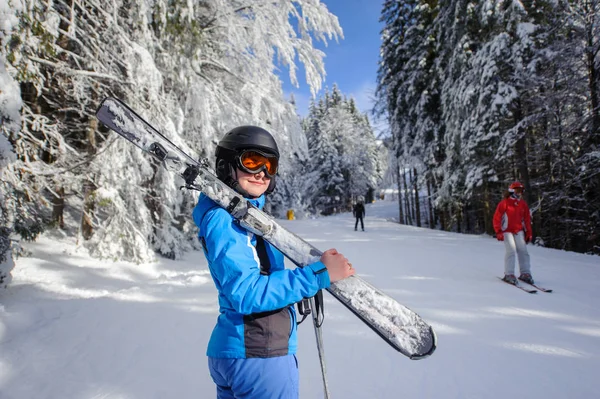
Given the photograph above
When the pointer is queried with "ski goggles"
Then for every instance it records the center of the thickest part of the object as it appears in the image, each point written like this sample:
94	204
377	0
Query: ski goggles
253	161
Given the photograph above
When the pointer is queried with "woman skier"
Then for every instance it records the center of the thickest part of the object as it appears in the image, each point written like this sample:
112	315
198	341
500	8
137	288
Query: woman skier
251	352
512	224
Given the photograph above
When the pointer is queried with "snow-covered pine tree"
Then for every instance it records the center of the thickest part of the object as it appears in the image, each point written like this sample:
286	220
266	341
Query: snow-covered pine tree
565	130
409	85
347	161
10	118
508	76
194	70
368	160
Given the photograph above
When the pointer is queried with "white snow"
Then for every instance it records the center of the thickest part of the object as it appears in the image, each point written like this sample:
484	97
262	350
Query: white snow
76	327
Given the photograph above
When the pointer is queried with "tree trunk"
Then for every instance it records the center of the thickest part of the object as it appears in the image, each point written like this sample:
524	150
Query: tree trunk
417	202
487	210
89	205
152	200
58	207
400	206
565	198
411	206
429	204
406	198
444	218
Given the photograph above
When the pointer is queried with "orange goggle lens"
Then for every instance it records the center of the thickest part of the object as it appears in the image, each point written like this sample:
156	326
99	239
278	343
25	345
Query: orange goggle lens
254	162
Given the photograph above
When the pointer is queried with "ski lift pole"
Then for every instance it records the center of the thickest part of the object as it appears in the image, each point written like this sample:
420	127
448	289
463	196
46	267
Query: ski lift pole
314	309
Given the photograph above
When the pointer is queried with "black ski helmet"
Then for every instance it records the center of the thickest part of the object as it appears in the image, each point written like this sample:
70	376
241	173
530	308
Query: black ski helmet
233	143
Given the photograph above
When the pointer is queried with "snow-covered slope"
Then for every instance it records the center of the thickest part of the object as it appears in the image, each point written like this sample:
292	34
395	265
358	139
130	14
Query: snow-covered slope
75	327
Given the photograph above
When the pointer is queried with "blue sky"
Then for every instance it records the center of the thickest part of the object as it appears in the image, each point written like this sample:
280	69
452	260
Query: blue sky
351	63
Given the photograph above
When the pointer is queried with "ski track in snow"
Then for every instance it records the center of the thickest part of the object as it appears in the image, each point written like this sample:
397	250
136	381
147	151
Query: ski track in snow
76	327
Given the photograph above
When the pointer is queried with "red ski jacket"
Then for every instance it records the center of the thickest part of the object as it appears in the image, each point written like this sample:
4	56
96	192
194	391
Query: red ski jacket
512	215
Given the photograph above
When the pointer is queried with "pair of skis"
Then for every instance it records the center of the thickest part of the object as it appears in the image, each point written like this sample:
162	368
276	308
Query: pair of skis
399	326
525	287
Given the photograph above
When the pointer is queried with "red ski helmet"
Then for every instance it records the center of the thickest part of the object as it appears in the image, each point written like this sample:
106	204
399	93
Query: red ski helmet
515	185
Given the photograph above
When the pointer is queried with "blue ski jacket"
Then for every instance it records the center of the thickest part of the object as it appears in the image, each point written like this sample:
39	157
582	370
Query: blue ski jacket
256	313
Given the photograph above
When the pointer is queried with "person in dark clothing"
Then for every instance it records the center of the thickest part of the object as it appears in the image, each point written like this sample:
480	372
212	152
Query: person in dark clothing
359	213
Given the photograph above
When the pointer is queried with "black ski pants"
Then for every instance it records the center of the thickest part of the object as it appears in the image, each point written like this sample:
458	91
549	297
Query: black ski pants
362	225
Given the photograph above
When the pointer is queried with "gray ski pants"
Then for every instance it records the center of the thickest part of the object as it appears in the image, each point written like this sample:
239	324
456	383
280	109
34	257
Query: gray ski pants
515	245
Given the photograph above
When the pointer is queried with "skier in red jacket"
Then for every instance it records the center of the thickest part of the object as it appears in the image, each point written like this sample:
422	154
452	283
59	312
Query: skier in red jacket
512	224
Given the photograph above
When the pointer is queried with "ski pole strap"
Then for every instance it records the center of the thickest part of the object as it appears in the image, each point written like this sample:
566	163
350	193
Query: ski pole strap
319	317
303	309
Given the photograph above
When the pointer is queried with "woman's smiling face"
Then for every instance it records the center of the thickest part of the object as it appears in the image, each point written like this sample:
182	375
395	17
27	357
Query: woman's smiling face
254	184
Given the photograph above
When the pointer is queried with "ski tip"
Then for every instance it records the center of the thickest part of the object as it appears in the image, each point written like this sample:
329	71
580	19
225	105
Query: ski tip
103	104
431	349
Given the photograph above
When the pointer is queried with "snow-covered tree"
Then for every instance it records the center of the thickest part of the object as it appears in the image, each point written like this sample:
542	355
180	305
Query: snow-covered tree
11	215
481	93
347	162
193	69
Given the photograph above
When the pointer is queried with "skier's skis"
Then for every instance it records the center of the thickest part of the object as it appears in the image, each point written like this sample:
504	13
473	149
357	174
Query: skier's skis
519	286
537	286
399	326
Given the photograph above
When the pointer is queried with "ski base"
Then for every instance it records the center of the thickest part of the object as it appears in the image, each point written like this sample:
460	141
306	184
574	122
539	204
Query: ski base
529	291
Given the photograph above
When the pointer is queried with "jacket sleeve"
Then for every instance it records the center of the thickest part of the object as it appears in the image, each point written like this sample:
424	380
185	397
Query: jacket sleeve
235	267
497	221
527	220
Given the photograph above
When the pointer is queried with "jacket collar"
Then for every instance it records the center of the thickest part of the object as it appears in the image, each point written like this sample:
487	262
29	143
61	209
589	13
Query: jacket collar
257	202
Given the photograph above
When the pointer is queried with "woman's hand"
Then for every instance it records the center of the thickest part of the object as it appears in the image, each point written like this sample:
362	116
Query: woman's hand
337	265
